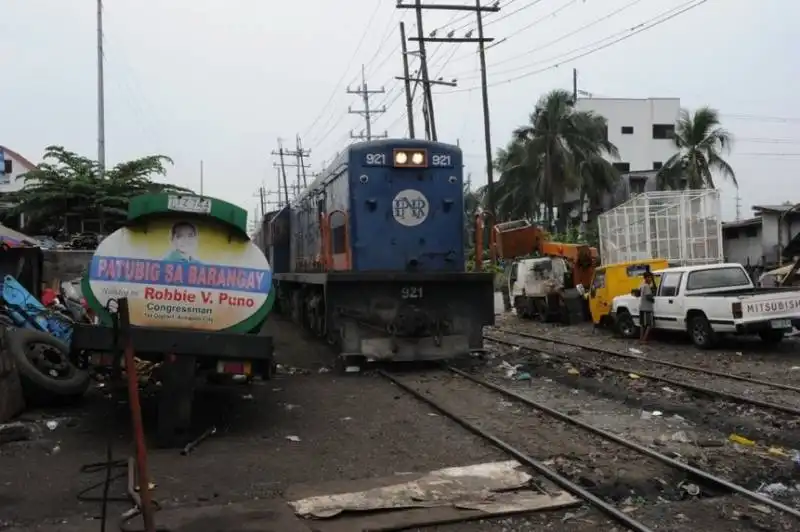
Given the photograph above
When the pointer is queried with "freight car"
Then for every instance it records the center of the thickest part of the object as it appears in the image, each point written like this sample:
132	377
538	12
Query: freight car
371	257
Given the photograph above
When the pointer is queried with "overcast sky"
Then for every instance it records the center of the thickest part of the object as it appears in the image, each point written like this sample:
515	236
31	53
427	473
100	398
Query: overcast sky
221	80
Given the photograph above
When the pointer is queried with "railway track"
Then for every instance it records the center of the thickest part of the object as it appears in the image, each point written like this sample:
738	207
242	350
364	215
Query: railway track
621	451
728	386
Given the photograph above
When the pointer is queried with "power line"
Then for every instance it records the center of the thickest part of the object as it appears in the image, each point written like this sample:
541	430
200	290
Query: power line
630	33
760	118
562	37
346	70
671	11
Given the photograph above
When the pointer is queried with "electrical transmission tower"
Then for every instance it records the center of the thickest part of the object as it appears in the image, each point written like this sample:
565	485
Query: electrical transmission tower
366	112
479	10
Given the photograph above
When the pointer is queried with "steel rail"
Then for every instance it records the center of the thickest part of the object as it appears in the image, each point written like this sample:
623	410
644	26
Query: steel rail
697	369
542	469
694	387
708	477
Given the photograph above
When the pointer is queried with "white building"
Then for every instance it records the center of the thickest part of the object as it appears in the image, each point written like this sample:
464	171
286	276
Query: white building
12	167
641	129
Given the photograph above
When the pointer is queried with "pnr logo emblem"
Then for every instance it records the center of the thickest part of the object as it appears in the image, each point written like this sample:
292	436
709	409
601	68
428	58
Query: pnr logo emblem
410	207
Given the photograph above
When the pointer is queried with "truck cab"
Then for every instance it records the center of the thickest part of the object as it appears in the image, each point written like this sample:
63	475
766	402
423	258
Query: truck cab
614	280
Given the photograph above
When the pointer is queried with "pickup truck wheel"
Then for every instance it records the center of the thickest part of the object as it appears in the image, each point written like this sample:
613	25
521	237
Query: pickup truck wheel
771	336
625	325
702	334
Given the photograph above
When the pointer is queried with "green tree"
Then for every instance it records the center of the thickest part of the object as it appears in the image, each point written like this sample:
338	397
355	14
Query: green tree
560	150
700	141
67	184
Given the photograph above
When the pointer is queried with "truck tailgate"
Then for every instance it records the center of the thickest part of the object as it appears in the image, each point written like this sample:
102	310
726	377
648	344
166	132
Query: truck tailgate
775	306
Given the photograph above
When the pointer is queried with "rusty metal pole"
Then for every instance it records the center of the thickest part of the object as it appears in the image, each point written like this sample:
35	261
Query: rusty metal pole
136	417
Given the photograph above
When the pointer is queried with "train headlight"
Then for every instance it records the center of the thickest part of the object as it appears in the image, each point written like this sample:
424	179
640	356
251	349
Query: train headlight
410	158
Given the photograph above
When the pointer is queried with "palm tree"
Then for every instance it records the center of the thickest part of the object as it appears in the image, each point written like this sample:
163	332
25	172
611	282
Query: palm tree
699	140
67	184
517	193
563	150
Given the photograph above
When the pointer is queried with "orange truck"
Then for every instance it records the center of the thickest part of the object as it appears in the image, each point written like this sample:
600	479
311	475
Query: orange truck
549	286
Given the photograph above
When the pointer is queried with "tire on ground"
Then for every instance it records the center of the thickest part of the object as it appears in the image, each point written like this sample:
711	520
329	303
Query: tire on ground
700	331
624	325
18	342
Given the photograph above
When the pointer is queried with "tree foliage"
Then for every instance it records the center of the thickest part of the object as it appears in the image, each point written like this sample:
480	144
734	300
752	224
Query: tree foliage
699	142
67	184
559	165
560	157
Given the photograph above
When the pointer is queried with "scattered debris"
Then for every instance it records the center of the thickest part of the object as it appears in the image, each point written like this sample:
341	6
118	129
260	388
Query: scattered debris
194	443
293	438
352	369
247	397
52	425
741	440
776	489
635	351
634	376
290	407
324	369
573	371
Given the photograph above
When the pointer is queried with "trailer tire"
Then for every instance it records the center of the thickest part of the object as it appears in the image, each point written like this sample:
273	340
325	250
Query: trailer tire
21	343
700	331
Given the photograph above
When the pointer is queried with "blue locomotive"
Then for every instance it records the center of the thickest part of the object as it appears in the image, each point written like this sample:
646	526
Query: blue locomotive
371	257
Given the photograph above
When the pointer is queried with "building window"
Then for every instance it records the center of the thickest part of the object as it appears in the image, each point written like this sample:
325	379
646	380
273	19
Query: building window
627	130
663	131
637	186
657	165
622	167
751	232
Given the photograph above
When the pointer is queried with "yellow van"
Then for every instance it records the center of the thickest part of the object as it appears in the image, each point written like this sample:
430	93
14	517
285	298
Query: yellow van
612	280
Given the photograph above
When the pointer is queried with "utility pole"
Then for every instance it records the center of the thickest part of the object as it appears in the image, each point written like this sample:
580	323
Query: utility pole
738	206
481	40
282	168
407	81
201	177
366	112
574	86
299	154
101	96
424	69
427	108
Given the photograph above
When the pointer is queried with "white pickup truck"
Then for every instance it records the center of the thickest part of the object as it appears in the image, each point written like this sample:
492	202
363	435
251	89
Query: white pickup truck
707	301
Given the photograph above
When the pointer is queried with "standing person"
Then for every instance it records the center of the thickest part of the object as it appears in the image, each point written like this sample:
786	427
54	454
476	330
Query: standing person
646	301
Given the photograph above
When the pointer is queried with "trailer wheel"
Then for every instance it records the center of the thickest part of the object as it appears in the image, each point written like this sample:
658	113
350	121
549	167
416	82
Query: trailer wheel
44	365
703	336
